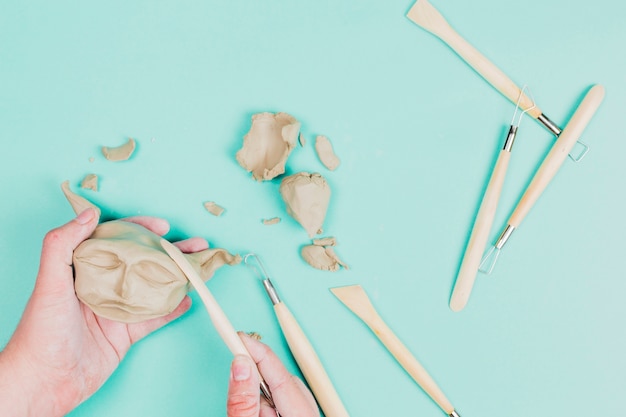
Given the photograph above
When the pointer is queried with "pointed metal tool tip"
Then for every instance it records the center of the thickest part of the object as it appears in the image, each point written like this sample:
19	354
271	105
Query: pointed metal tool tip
454	414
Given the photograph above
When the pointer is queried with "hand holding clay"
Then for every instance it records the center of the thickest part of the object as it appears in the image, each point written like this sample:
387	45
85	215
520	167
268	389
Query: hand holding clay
291	396
123	274
61	352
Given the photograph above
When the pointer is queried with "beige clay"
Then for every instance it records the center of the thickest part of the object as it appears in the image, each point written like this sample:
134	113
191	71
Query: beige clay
273	220
321	257
307	197
122	273
325	153
302	140
325	241
120	153
90	182
268	144
214	208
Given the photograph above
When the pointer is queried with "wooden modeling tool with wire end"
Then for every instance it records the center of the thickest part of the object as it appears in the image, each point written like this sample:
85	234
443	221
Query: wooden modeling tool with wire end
356	299
547	170
428	17
223	326
484	220
300	347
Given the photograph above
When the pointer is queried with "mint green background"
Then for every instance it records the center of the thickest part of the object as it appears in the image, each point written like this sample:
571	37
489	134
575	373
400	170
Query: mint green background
417	132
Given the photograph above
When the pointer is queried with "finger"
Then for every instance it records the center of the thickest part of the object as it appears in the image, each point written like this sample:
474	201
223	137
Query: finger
154	224
243	389
288	391
55	270
191	245
137	331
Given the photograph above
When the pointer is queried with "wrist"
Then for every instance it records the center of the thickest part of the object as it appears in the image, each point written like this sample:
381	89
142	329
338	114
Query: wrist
22	392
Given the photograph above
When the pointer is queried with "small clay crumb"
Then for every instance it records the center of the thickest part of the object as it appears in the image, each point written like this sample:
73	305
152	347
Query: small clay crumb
325	153
90	182
120	153
302	140
213	208
273	220
325	241
321	257
91	159
254	335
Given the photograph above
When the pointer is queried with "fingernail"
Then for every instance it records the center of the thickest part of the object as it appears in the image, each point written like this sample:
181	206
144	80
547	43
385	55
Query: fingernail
241	369
86	216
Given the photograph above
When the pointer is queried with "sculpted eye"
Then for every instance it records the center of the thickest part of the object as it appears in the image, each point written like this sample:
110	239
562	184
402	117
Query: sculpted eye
154	273
101	259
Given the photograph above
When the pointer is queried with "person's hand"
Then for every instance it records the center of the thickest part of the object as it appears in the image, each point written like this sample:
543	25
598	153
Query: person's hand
291	396
61	352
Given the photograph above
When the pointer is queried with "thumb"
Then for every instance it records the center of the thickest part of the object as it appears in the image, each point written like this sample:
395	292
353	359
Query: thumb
58	246
243	390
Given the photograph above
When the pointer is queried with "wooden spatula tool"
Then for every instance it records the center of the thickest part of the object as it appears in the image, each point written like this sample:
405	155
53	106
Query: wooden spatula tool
356	299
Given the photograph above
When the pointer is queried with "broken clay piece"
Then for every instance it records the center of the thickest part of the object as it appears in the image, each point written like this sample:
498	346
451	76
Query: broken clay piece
214	208
325	152
268	144
273	220
255	335
302	140
90	182
123	274
307	197
321	257
120	153
325	241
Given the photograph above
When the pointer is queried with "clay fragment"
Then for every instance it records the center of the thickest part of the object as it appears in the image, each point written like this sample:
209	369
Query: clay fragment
323	258
267	144
273	220
302	140
122	273
213	208
325	241
255	335
325	152
120	153
306	197
90	182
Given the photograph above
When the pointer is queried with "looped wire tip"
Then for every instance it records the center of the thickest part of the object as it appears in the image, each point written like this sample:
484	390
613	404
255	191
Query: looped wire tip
517	106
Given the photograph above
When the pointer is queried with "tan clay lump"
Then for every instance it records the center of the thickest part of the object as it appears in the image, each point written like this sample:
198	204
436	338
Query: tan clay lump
322	257
325	153
307	197
90	182
268	144
214	208
120	153
122	273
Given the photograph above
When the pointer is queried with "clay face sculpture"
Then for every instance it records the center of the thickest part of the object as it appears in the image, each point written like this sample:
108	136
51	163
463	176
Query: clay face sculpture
306	196
122	273
268	144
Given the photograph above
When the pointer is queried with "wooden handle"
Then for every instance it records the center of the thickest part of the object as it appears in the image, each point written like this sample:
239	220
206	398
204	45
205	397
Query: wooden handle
561	148
425	15
355	298
310	364
409	363
480	234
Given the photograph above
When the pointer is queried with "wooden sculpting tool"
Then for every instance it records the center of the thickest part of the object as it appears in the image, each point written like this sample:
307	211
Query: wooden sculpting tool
484	219
426	16
301	348
548	169
223	326
355	298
